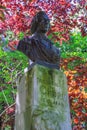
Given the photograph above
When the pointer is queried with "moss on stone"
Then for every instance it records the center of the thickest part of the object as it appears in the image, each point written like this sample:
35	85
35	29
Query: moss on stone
46	110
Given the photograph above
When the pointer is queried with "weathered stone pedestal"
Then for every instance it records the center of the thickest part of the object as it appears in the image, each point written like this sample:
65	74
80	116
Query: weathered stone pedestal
42	100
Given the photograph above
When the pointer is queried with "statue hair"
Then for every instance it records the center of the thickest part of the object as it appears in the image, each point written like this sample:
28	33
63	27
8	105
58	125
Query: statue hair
36	20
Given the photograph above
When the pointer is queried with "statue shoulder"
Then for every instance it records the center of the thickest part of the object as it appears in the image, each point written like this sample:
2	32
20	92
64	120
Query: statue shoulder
24	43
26	39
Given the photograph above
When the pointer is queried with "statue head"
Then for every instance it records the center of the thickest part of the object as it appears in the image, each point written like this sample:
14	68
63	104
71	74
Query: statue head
40	23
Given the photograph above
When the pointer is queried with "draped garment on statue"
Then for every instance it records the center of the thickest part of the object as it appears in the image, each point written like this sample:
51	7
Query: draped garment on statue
40	50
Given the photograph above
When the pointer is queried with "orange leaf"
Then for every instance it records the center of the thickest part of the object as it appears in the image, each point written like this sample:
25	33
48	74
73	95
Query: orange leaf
76	121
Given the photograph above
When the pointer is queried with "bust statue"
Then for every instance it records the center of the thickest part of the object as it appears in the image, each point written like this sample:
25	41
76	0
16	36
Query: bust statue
38	48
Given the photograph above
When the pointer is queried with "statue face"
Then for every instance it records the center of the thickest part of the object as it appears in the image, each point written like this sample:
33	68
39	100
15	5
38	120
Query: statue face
44	24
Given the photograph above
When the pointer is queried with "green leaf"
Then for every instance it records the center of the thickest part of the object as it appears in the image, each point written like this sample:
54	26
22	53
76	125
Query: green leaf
85	89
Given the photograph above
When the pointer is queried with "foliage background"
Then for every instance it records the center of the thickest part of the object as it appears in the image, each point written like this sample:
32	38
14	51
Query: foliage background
66	15
74	65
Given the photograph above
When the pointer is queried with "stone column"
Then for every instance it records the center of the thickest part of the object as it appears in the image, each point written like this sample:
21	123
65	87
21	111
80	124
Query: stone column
42	100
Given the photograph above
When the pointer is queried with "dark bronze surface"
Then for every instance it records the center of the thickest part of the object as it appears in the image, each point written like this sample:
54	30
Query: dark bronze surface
38	47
